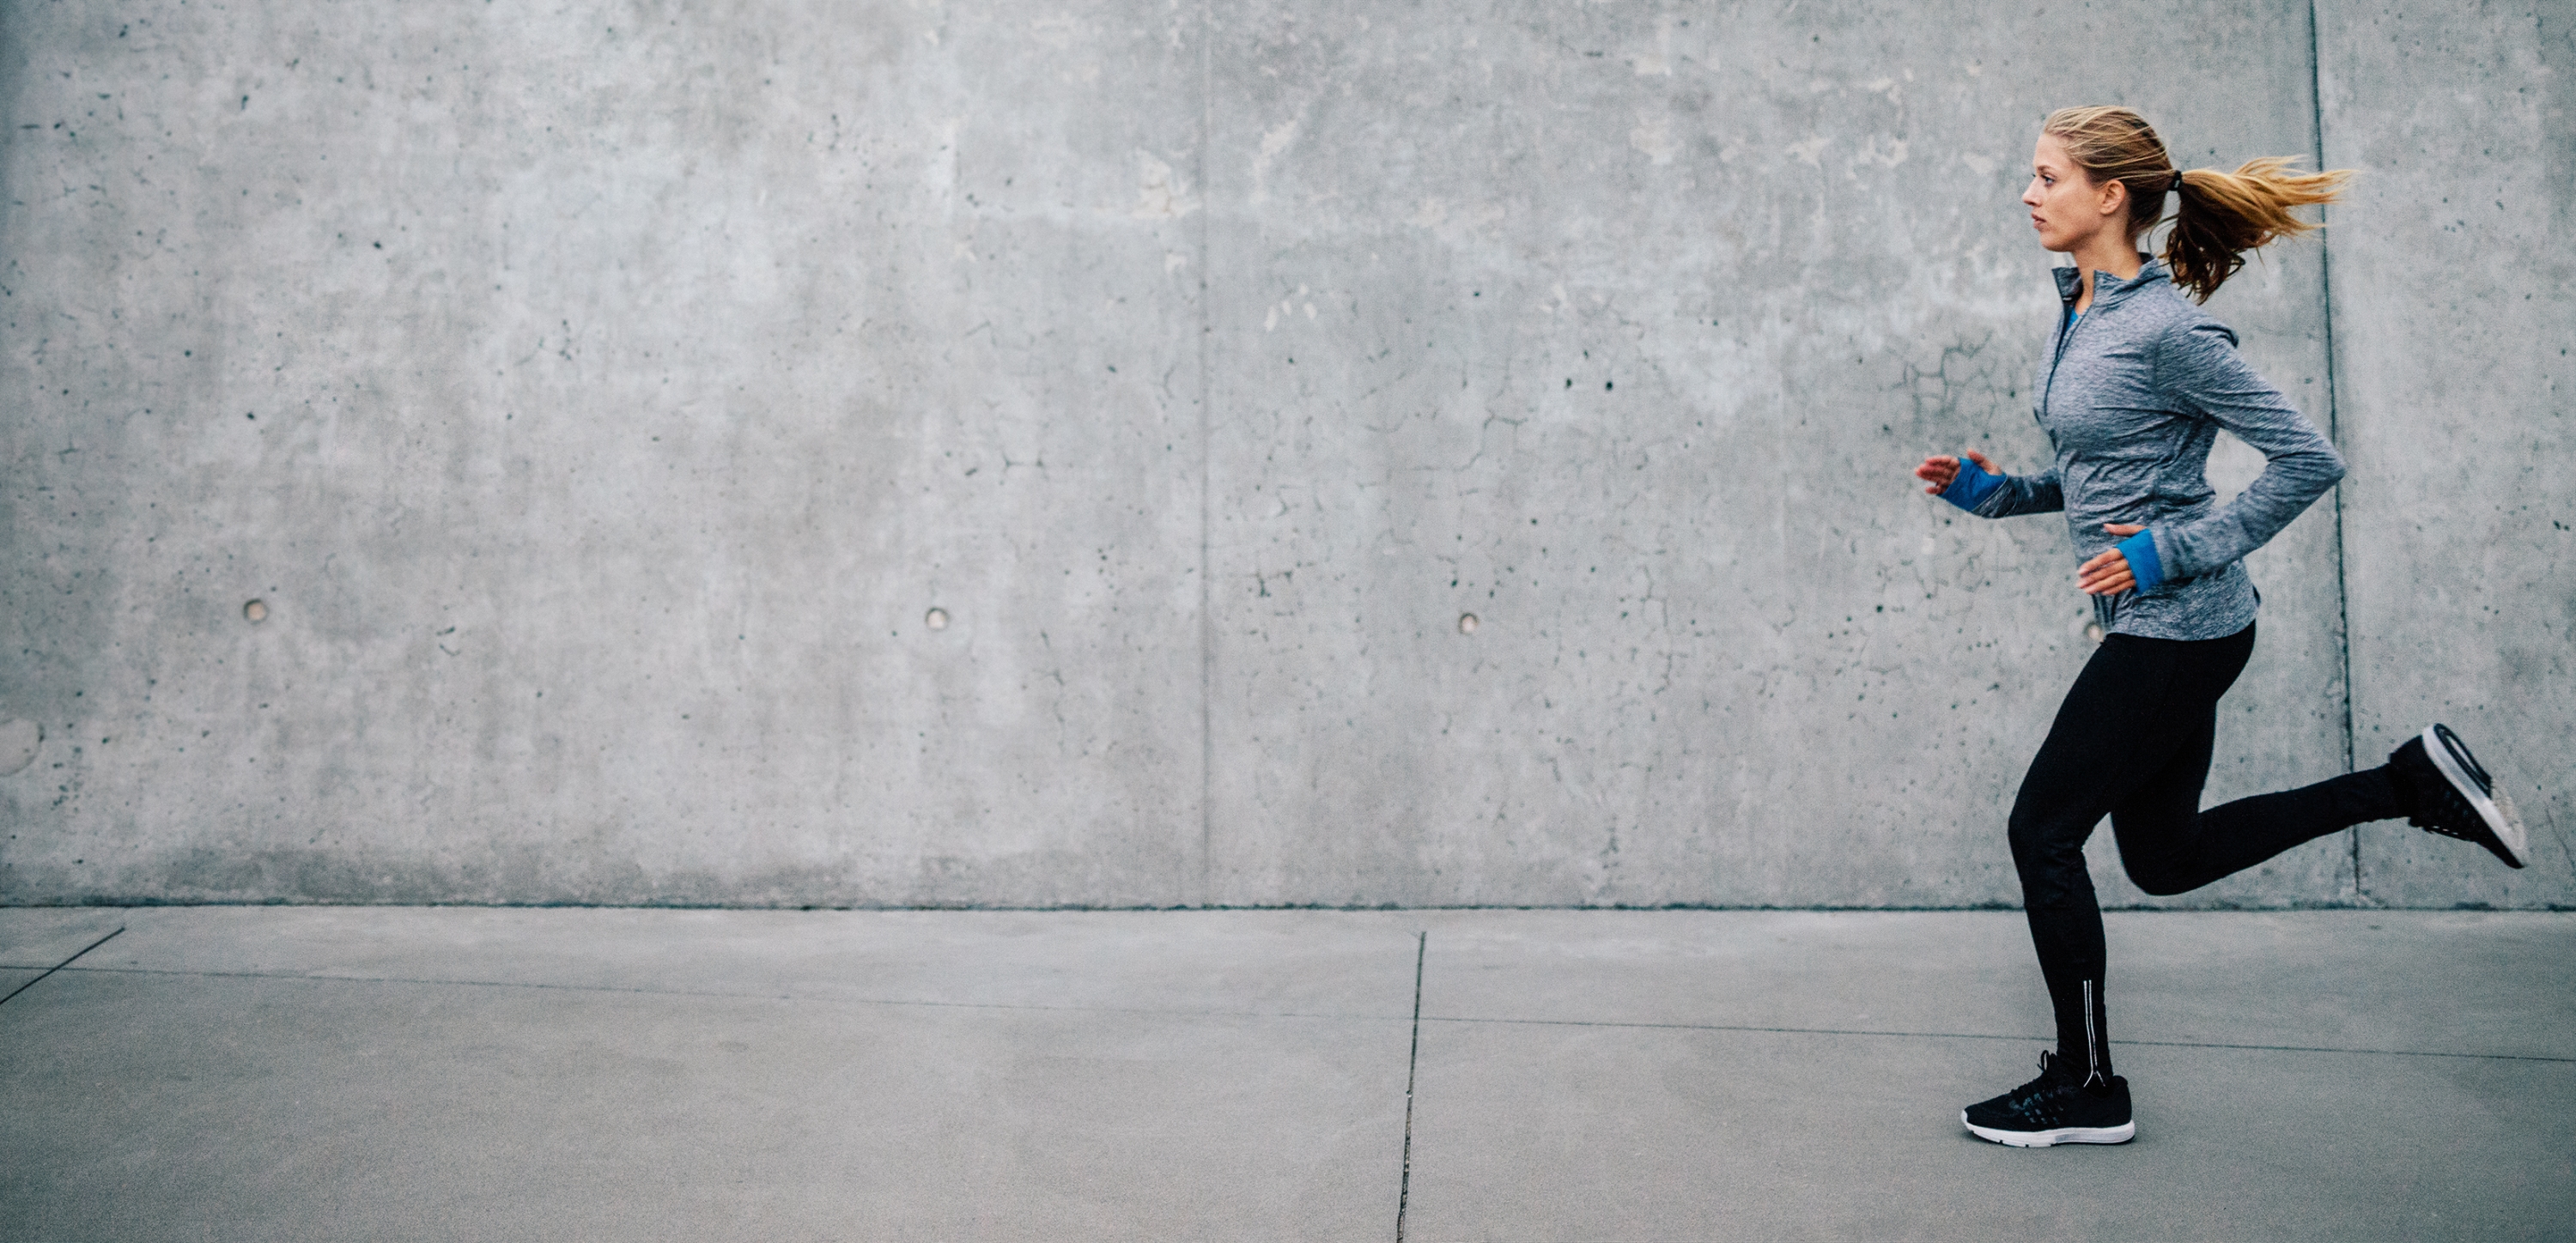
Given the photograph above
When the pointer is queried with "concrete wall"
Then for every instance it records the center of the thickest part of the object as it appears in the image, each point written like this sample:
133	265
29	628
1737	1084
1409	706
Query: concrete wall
598	402
2453	321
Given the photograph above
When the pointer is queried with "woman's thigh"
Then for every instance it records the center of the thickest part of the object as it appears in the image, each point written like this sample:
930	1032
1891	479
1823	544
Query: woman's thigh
2133	738
2157	817
2086	765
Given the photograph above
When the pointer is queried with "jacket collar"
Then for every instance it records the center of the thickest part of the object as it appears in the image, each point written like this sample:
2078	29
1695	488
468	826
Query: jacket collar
2108	290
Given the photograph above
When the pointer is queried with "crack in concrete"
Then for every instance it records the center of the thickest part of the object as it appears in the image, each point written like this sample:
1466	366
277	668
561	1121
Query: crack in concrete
1911	1035
104	940
2334	430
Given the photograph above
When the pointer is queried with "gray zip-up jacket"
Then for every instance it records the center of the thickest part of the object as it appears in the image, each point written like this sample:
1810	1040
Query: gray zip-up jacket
2132	396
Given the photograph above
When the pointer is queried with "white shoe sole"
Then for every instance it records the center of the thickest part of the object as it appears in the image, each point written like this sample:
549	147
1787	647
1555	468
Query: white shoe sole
2497	811
2120	1134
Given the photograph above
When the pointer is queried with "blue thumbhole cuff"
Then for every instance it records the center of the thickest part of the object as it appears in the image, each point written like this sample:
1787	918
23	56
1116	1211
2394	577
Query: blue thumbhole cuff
1970	486
2144	565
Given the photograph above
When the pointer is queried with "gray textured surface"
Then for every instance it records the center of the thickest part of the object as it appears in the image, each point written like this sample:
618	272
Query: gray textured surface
1618	1133
2453	321
599	401
42	938
462	1074
1629	327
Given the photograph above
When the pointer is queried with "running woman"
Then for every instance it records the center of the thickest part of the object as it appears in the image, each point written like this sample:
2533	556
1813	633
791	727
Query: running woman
2136	385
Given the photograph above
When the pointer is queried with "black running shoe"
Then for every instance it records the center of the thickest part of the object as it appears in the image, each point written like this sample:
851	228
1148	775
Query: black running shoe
2455	798
2056	1108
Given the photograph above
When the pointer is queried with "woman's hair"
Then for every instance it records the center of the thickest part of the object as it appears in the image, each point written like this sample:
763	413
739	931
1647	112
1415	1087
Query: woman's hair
2218	217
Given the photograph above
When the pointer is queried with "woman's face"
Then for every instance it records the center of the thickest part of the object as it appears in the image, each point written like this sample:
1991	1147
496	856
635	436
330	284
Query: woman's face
2066	207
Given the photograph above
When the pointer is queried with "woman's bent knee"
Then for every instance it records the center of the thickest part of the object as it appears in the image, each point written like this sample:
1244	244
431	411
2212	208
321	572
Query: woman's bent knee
2158	882
2036	837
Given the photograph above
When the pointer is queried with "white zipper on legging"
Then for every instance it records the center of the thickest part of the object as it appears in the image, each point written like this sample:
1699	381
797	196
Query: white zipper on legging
2092	1061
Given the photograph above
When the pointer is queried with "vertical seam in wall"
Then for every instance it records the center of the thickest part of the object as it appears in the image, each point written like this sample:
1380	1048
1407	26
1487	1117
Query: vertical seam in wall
1207	461
2334	421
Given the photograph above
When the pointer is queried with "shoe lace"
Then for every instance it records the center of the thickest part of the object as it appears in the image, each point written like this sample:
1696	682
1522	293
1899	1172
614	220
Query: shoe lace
2047	1076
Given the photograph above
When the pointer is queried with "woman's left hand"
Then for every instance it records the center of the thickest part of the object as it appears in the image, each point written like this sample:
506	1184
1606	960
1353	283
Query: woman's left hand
2108	574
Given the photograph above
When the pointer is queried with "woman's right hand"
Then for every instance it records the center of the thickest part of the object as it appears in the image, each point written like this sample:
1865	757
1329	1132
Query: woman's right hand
1939	471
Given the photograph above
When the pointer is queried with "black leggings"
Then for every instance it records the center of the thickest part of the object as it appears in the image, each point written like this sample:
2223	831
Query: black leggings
2132	742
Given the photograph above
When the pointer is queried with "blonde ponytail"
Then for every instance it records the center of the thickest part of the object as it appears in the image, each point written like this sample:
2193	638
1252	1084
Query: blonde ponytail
2220	216
2223	215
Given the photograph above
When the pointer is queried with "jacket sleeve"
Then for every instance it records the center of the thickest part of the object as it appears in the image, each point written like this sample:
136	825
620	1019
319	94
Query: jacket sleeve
2023	494
2199	367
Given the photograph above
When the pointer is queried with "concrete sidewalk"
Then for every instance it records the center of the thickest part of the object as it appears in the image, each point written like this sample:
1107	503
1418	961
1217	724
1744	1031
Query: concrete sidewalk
396	1073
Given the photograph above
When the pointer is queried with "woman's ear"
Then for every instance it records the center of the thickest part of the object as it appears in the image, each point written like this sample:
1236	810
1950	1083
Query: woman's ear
2115	197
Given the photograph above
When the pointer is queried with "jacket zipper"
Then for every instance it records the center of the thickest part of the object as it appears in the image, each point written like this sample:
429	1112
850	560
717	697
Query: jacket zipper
2067	323
2106	610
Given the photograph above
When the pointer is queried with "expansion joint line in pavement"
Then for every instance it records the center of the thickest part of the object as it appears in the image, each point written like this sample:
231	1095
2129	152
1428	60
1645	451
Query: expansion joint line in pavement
1901	1035
1412	1059
112	936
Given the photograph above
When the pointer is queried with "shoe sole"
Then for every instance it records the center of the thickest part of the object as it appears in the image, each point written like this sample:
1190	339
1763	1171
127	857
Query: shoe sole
2120	1134
2511	843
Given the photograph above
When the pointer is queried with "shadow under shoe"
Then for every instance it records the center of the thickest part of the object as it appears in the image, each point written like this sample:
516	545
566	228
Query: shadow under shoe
2056	1108
2450	794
